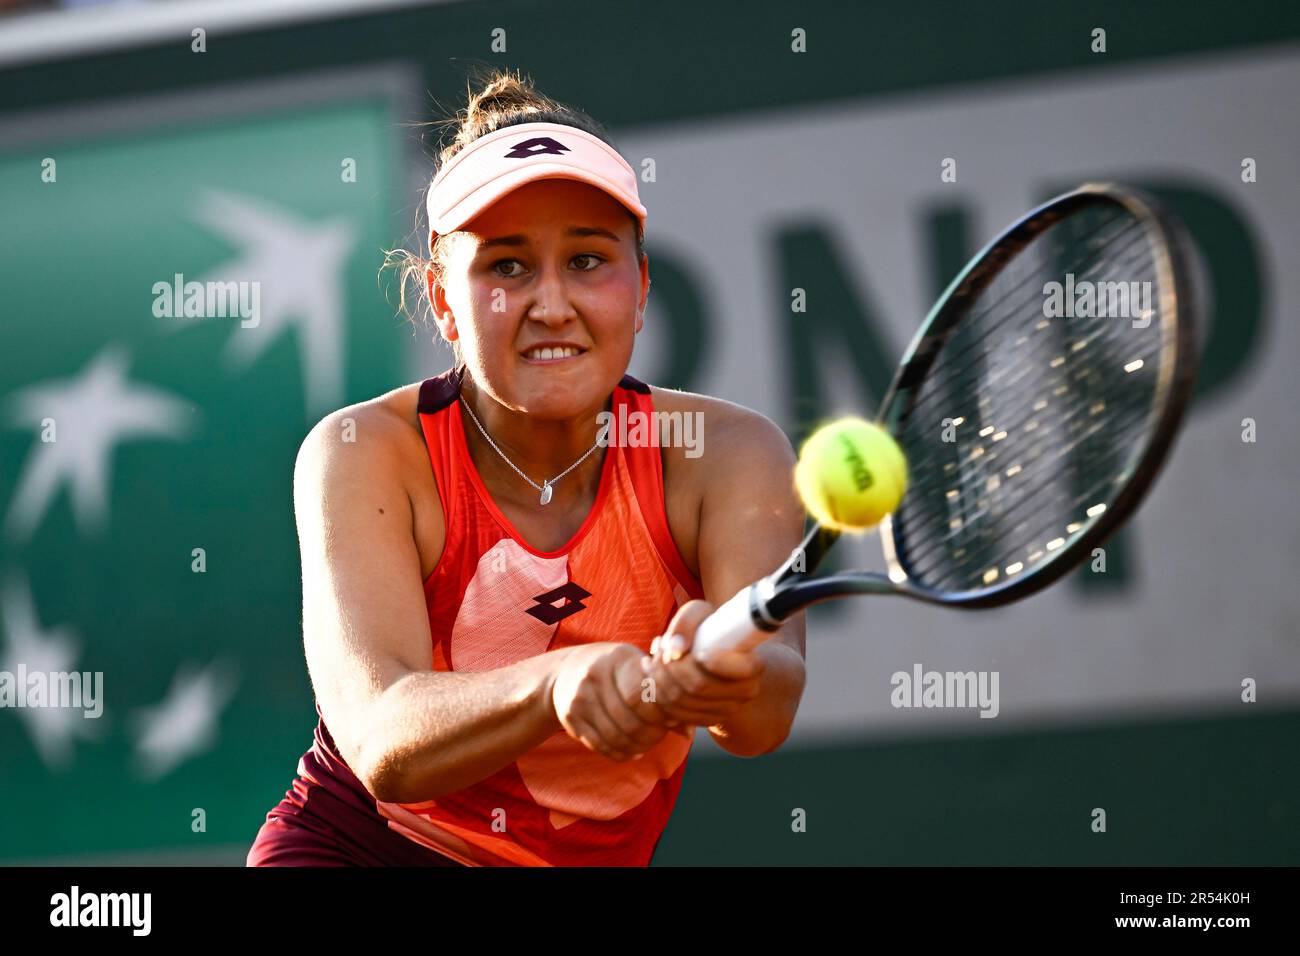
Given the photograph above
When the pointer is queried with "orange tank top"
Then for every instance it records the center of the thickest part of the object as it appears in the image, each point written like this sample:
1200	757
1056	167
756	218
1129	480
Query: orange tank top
493	600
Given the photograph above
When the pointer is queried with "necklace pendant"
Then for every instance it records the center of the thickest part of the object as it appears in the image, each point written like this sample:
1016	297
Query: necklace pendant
546	492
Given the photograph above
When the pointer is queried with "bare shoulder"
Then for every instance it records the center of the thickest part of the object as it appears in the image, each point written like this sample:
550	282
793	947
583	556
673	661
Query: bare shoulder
723	437
726	429
379	437
384	429
366	449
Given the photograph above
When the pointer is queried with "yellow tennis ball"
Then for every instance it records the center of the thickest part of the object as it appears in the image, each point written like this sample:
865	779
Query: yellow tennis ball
851	473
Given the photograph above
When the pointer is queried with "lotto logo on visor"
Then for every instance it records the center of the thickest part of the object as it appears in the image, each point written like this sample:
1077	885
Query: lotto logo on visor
505	159
537	146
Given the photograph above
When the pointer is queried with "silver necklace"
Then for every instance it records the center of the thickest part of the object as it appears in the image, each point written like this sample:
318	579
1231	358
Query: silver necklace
545	486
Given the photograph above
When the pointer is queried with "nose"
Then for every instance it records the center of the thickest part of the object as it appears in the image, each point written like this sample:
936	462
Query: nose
551	303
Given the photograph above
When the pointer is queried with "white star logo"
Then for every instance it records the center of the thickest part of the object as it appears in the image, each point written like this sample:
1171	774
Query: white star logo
299	265
51	651
184	723
92	413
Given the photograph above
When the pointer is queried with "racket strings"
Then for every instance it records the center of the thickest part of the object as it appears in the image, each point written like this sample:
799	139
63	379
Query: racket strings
979	539
1034	411
1016	393
991	528
990	525
1084	247
993	328
936	479
1031	457
1065	519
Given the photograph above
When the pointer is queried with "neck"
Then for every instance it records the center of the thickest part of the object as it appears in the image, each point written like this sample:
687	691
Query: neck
540	448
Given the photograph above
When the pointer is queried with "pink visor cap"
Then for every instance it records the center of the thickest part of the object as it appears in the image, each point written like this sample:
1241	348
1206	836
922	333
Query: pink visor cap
513	156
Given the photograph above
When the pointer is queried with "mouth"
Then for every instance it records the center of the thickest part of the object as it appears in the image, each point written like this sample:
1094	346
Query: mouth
552	354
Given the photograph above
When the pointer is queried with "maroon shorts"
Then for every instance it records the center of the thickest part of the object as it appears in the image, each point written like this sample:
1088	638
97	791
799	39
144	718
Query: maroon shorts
322	830
328	818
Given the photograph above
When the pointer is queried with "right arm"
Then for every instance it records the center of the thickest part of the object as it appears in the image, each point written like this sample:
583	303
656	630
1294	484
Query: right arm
411	733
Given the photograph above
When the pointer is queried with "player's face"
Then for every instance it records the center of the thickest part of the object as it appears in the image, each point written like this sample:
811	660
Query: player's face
554	260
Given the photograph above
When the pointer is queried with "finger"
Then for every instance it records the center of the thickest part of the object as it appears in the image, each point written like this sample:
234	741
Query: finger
672	697
681	629
585	734
640	691
732	665
704	713
649	671
611	741
629	682
653	719
650	716
679	704
698	683
706	718
638	725
631	724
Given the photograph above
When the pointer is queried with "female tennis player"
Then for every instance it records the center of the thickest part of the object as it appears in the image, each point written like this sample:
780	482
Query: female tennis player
496	600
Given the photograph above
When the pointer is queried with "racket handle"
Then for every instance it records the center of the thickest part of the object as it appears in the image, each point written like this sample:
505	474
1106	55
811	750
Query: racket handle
730	628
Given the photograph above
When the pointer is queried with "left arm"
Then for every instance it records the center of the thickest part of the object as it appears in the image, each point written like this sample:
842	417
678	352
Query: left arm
750	520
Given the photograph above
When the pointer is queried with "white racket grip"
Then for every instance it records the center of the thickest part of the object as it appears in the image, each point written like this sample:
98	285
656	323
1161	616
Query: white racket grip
730	627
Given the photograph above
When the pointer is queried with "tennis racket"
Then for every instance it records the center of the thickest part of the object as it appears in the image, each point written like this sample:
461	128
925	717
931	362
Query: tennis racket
1033	420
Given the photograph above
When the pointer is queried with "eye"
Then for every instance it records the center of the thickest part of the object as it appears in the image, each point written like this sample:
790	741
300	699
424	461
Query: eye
504	262
588	255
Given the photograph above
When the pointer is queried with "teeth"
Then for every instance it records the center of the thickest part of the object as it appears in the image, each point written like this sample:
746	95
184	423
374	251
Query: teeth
550	353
